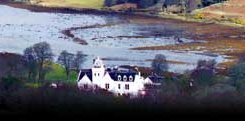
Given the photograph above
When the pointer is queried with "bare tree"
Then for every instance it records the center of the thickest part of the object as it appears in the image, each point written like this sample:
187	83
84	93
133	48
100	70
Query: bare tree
30	62
159	64
66	60
43	54
79	60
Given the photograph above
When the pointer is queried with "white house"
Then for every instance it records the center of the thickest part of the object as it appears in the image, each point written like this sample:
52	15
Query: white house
117	80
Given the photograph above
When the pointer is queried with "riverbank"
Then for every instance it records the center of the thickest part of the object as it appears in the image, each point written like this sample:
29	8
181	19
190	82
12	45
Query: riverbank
38	8
92	7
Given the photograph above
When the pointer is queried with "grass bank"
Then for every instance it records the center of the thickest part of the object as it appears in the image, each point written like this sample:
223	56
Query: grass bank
95	4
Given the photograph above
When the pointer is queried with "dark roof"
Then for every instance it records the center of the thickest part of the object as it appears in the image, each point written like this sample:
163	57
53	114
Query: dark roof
156	79
114	75
88	72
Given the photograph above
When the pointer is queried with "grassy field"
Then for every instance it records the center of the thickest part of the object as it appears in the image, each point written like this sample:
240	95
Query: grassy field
95	4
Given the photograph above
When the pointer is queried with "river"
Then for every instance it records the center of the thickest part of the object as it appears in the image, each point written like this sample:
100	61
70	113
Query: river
20	28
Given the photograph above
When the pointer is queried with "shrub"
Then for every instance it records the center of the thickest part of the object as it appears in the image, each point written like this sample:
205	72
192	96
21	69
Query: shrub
159	64
10	83
204	72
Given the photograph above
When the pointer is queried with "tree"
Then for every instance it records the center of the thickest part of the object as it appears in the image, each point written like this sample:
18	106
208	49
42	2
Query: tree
159	64
206	64
44	55
185	83
110	3
204	72
147	3
237	75
14	64
210	2
66	59
30	62
79	60
11	64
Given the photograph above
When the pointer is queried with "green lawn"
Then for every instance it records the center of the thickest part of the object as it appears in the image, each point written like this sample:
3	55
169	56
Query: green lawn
87	3
96	4
56	74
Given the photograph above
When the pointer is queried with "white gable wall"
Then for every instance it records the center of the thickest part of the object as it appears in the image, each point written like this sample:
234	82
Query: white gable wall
106	79
84	80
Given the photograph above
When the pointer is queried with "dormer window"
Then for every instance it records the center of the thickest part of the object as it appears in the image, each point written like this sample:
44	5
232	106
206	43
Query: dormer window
119	78
130	78
124	78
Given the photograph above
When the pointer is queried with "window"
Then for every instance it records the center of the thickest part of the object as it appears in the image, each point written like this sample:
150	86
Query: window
119	78
119	86
94	74
130	78
96	87
98	74
124	78
85	86
127	86
107	86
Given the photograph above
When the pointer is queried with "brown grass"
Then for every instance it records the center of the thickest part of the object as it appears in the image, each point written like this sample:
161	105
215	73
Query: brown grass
219	39
229	10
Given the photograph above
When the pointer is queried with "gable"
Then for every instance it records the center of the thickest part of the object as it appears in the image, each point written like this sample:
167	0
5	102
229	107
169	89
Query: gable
85	80
87	72
107	77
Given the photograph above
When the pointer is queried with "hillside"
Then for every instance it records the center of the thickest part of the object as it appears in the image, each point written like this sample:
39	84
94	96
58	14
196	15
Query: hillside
232	10
71	3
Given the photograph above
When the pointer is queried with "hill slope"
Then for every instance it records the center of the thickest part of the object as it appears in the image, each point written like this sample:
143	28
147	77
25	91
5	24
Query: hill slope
232	10
71	3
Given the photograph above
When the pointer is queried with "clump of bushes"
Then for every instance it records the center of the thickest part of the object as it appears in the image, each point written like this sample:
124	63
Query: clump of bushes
198	16
237	21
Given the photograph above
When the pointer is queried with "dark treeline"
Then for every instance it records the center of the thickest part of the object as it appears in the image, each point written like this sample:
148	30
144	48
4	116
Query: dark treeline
148	3
141	3
204	88
37	61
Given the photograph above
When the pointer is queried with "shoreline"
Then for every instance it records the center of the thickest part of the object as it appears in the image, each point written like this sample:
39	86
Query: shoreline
71	10
210	32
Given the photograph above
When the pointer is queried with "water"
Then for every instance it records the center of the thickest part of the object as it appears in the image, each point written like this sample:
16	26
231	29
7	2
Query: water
20	29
